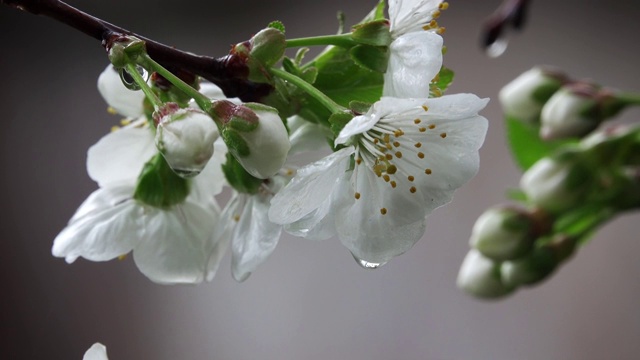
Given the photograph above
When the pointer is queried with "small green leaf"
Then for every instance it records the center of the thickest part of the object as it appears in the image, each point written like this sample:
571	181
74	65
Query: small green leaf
525	143
238	177
159	186
445	79
375	58
375	33
359	107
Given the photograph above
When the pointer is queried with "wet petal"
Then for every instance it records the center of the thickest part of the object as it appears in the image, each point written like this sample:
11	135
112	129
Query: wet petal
126	102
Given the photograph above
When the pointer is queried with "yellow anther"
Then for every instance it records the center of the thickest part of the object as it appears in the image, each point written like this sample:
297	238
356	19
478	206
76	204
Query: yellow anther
396	144
413	190
421	155
418	145
383	211
443	5
425	107
410	178
398	133
386	138
236	218
443	135
357	196
399	154
111	110
289	172
375	141
422	129
358	161
122	257
125	122
378	169
432	126
115	128
393	184
392	169
427	171
389	156
386	177
441	30
436	14
417	121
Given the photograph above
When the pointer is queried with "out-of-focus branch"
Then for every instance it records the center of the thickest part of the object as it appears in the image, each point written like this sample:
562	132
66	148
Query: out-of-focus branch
224	72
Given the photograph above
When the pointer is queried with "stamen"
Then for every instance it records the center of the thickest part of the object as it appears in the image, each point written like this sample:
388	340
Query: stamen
391	169
441	30
425	107
443	5
417	121
411	178
396	144
383	211
386	177
443	135
427	171
393	184
112	111
413	190
357	196
389	156
422	129
418	145
358	161
236	218
432	126
421	155
399	154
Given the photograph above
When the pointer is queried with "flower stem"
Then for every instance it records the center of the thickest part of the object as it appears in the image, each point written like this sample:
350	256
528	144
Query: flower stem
309	89
628	98
203	102
343	40
131	69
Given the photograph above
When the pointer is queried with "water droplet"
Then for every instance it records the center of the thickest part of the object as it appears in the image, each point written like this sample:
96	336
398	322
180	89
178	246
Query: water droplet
128	81
367	264
497	48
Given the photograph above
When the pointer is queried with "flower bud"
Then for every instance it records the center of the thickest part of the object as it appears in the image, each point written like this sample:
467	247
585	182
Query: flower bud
530	269
503	234
255	135
260	53
185	138
573	111
480	277
524	97
556	184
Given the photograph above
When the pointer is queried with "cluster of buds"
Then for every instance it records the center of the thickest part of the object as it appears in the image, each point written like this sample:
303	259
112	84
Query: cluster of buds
562	107
569	194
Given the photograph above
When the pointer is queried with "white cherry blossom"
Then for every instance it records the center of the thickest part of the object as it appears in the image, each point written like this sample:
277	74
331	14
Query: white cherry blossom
403	159
97	351
415	55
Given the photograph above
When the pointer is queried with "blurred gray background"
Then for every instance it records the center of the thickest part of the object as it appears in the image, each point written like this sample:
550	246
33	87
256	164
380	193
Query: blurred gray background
310	300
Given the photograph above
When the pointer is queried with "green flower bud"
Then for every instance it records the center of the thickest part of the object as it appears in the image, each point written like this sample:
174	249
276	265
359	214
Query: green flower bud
480	277
530	269
503	234
260	53
557	184
524	97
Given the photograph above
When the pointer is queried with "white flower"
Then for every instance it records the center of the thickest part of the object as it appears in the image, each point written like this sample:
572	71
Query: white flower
405	158
125	102
97	351
185	138
169	246
416	50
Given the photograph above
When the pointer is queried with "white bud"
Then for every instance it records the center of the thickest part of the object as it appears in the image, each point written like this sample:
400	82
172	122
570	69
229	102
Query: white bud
268	143
125	102
569	113
503	234
185	138
524	97
480	277
555	185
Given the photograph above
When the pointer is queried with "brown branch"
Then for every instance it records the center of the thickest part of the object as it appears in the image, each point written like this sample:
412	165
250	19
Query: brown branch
224	72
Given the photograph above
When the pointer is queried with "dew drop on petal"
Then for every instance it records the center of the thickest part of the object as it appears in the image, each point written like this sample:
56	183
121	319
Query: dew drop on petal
186	174
367	264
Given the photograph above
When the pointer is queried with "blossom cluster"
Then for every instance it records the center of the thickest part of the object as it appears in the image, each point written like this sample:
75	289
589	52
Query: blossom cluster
391	161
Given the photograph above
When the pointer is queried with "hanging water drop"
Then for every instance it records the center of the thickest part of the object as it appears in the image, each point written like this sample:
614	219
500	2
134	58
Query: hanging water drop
127	79
186	174
497	48
367	264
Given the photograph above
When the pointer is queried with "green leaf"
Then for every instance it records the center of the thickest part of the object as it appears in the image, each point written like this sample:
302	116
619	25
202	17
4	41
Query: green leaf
445	79
338	121
525	143
159	186
238	177
375	33
373	58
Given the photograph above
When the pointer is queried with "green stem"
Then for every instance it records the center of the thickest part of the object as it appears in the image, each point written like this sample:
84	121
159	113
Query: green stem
343	40
309	89
146	89
628	98
203	102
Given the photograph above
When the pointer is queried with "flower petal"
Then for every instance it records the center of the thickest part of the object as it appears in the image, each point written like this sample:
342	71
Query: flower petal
126	102
309	188
103	228
410	15
211	180
97	351
176	243
415	59
254	238
120	156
